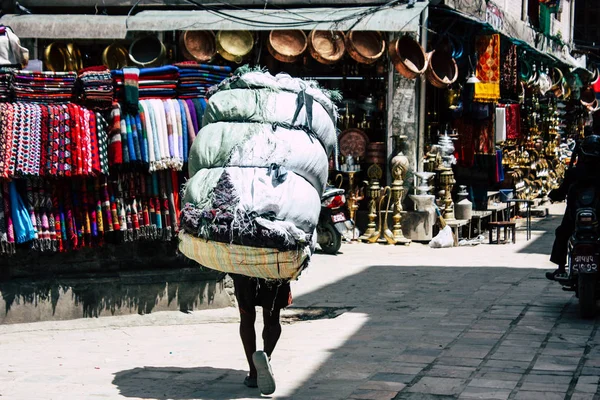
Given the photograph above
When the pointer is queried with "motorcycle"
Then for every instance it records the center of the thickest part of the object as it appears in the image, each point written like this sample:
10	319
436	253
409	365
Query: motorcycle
584	251
333	220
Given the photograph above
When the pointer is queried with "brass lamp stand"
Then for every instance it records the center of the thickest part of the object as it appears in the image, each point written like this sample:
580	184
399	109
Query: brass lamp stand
355	195
447	182
374	189
399	166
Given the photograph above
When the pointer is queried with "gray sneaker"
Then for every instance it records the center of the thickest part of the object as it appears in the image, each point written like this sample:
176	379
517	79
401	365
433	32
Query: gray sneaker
266	381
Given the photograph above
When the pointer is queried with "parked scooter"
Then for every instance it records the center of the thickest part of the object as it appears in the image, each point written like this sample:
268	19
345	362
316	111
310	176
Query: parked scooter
584	250
333	220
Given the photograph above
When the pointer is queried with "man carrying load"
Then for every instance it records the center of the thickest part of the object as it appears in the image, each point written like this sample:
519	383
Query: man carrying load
258	168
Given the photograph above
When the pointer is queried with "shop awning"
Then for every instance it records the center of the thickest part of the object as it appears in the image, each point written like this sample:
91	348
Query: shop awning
69	26
392	19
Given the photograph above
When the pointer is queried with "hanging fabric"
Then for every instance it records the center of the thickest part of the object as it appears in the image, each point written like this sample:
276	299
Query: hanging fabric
500	124
488	68
513	121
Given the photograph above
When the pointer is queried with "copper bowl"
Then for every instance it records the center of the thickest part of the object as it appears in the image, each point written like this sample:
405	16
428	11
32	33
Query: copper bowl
287	45
198	46
327	47
408	57
234	45
442	70
366	47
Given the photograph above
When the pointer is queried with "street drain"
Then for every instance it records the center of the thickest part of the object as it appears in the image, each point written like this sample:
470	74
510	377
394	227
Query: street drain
298	314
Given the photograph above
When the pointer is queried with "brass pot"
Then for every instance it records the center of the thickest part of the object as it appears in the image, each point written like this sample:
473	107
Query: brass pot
366	47
115	56
442	70
327	47
287	45
408	57
198	46
56	57
75	61
234	45
147	51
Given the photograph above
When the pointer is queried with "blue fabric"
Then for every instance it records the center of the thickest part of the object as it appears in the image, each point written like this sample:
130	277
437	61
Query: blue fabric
182	106
194	85
205	66
203	75
499	167
24	231
143	141
167	69
130	138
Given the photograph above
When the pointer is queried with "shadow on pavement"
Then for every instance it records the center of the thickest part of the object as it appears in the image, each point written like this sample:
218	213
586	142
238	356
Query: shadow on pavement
102	294
183	383
424	324
442	324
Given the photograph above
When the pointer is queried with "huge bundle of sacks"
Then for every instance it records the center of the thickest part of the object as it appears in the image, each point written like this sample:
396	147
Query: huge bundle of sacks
258	168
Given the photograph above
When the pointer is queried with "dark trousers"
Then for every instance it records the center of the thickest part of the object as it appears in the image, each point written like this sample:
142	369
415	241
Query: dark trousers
561	239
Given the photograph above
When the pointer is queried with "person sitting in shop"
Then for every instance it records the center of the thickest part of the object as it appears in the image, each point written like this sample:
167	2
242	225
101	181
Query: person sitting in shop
272	297
587	167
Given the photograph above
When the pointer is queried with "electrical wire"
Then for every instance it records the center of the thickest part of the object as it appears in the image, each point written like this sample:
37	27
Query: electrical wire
359	15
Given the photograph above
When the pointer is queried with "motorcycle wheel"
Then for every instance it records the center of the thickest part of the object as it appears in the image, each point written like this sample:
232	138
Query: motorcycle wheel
331	246
586	288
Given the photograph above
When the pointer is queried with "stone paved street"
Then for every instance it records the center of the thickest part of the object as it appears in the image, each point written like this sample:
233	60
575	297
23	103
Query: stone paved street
375	322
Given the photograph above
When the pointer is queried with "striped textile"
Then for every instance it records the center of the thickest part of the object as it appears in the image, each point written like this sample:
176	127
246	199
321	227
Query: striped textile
255	262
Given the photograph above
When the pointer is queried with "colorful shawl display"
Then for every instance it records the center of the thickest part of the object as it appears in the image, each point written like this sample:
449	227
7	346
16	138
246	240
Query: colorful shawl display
488	69
48	140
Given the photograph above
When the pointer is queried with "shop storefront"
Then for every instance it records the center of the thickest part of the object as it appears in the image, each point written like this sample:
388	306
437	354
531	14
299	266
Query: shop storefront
99	151
423	113
504	127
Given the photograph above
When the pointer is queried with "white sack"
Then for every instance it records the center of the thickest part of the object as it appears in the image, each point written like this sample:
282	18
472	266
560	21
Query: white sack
228	144
443	239
294	200
267	106
283	81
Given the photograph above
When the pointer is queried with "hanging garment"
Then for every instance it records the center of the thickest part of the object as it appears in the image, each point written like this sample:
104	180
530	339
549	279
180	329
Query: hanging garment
513	121
509	81
115	149
488	68
131	78
23	227
500	124
499	167
4	245
10	227
184	130
191	133
195	118
148	126
9	146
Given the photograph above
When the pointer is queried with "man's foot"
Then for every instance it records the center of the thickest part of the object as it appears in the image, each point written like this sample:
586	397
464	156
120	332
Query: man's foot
266	381
250	381
560	272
